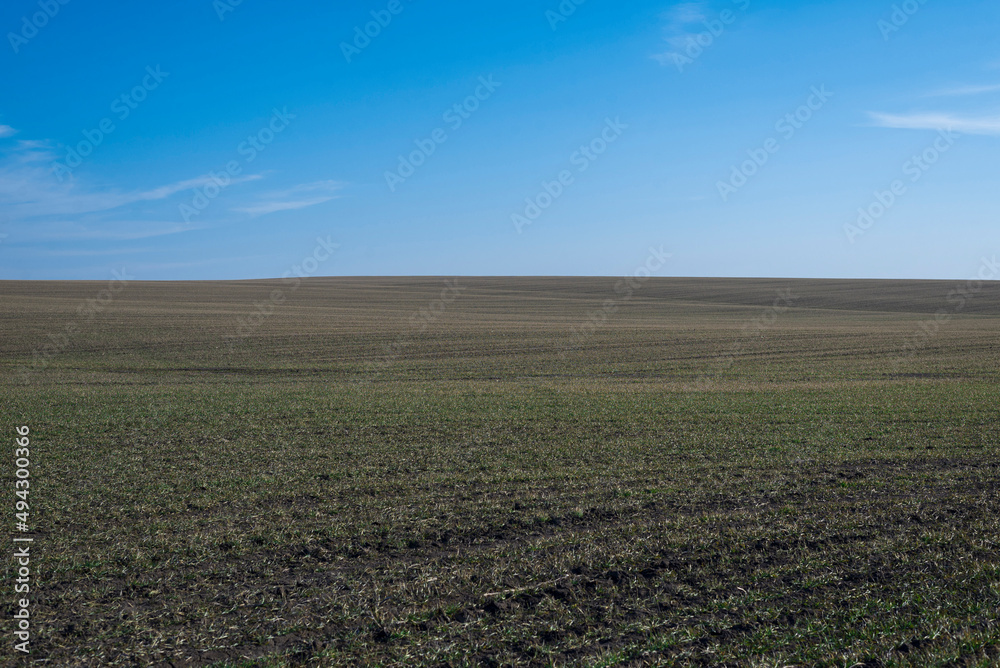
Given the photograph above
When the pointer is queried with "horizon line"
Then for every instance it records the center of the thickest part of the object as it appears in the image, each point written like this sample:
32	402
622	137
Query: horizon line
486	276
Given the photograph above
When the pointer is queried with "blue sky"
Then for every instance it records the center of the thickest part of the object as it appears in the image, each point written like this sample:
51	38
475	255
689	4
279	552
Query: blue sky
210	140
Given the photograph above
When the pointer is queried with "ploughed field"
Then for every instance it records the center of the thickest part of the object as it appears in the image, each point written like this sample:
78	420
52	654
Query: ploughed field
508	471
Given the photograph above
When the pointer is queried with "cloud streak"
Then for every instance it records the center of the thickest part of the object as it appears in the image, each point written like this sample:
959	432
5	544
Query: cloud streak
28	189
982	125
292	198
118	230
166	191
44	209
958	91
679	32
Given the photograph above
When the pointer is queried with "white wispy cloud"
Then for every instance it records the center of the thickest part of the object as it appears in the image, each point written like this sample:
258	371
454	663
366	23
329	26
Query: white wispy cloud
982	125
32	150
687	12
6	131
169	189
957	91
48	252
682	24
297	197
43	209
98	230
28	188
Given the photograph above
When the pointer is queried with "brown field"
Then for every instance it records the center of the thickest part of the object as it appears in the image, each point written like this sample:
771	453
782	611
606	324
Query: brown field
508	471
